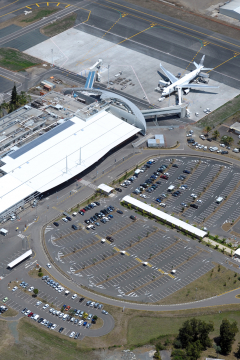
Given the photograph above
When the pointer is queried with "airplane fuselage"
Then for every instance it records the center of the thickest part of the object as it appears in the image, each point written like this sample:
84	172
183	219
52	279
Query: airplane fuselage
185	79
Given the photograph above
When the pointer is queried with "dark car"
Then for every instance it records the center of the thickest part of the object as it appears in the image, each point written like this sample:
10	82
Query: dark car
61	330
132	217
87	221
81	299
40	320
97	203
118	189
190	140
224	152
175	165
109	238
186	171
77	336
56	223
119	211
81	212
68	218
195	206
74	227
209	139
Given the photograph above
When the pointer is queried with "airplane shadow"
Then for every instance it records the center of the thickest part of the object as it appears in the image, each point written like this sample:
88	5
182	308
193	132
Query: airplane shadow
163	76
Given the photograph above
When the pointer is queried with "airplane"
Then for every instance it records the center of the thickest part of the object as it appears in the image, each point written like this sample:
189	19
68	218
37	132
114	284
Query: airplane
176	84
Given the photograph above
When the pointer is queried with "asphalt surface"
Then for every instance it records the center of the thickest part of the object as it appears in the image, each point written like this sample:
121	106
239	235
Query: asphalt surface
62	201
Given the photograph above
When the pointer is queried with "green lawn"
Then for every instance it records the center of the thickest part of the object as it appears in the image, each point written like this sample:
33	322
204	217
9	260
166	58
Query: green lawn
142	329
221	114
39	14
15	60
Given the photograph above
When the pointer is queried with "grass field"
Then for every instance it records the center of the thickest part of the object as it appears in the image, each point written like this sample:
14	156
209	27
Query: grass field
215	282
221	114
153	327
15	60
35	342
38	14
59	26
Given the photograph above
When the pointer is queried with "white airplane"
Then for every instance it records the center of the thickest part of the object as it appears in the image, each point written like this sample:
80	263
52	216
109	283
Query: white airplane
176	84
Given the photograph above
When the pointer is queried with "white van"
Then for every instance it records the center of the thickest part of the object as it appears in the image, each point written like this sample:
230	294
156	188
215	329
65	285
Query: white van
74	214
64	317
162	204
67	292
171	187
236	150
36	317
219	200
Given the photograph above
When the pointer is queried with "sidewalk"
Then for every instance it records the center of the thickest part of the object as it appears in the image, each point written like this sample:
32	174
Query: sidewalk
220	246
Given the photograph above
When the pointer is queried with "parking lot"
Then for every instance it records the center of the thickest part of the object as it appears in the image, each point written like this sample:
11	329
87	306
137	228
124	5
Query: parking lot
21	299
207	180
142	261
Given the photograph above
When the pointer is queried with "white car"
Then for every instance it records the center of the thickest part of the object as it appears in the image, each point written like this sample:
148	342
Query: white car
74	296
92	303
199	201
60	315
143	196
74	214
45	306
53	326
38	303
64	219
194	196
31	288
49	266
51	310
72	334
80	322
222	145
15	288
60	290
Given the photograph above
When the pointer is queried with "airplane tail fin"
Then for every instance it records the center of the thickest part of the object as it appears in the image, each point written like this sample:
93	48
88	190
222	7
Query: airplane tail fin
202	60
201	64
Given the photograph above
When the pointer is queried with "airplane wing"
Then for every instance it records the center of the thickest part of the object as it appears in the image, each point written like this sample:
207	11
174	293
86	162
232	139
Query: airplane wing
198	86
171	77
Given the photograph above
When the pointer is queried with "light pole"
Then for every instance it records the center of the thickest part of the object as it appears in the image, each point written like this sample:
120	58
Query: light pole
108	75
52	56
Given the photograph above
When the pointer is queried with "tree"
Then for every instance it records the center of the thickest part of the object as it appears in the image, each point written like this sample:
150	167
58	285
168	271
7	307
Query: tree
178	354
216	134
194	330
14	95
227	140
208	129
194	350
35	291
95	317
227	335
157	355
237	354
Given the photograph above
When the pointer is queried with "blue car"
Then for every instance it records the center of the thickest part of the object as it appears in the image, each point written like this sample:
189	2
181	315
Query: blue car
110	216
149	163
158	200
85	323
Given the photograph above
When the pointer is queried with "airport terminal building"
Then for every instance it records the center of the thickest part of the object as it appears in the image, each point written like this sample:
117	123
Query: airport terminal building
76	130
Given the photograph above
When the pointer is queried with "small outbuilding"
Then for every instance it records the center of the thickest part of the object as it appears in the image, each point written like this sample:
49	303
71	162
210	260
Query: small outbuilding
237	253
105	189
235	128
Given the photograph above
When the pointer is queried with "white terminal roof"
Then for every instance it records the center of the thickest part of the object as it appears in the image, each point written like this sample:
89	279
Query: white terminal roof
20	258
59	155
162	215
233	5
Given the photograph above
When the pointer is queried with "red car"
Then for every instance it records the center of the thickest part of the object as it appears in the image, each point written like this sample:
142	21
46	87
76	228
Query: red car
67	308
30	314
164	177
83	210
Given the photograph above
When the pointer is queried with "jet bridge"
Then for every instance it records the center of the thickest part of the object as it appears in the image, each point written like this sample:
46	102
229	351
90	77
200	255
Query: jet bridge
180	110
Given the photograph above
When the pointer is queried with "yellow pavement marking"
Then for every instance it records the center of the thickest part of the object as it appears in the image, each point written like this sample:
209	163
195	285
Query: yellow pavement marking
9	4
37	5
80	62
171	22
192	61
221	64
47	4
58	4
28	7
67	5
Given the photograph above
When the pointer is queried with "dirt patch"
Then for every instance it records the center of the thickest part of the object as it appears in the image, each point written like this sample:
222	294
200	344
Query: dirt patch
9	313
59	26
226	226
98	325
12	325
188	16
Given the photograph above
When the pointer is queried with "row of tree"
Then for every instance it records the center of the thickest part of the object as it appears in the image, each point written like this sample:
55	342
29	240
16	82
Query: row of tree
227	140
193	338
16	101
